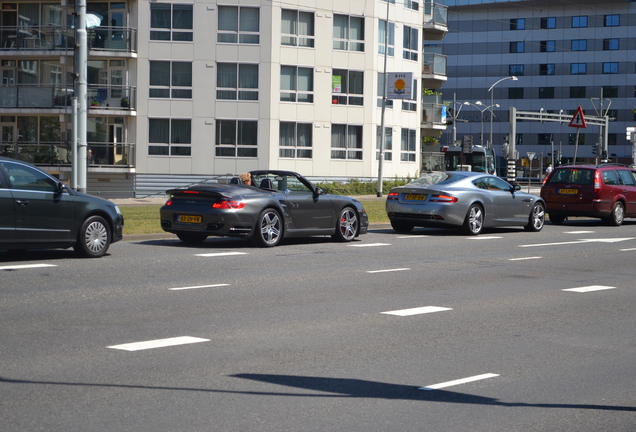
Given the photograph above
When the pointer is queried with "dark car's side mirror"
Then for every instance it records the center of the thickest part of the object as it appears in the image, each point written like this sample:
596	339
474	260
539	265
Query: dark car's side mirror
319	191
61	187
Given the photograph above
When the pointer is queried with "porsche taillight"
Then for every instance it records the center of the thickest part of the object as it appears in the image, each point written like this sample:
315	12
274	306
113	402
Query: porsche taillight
229	205
169	202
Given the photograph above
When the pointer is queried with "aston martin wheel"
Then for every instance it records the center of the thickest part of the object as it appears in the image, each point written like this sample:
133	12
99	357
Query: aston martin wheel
474	221
269	229
536	218
192	238
402	227
346	226
93	238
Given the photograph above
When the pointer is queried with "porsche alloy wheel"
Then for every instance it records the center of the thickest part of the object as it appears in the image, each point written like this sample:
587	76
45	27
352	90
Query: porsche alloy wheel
347	225
269	229
474	221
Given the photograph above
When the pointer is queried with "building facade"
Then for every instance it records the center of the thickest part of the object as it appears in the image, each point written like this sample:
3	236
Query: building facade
185	90
564	54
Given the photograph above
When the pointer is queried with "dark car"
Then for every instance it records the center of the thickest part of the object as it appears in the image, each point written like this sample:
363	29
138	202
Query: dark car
605	191
467	200
280	204
39	211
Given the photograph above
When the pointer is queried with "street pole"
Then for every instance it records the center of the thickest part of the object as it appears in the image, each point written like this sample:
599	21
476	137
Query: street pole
81	71
492	101
384	96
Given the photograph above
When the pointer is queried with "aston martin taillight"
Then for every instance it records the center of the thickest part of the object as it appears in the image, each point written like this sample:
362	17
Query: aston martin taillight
392	196
443	199
229	205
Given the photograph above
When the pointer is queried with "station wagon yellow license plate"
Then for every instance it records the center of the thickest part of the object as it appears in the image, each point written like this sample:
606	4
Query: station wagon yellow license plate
415	197
568	191
189	219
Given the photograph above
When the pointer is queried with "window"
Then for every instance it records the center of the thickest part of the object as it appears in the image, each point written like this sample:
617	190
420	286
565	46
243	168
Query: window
170	22
612	20
170	80
410	45
27	178
388	143
545	139
238	24
348	33
547	69
516	70
572	139
296	84
578	68
610	44
517	24
579	21
546	92
390	42
515	93
237	81
410	4
236	138
295	140
547	46
611	91
610	67
297	28
347	87
167	136
577	92
579	45
517	47
612	114
346	142
390	1
548	23
381	82
408	145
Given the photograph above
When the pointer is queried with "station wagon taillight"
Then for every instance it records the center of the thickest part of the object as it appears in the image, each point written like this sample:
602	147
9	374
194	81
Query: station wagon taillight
597	182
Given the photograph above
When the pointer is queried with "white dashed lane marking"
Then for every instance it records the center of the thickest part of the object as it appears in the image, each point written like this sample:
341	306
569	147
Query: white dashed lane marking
525	258
417	311
369	244
483	238
220	254
590	288
199	287
159	343
459	381
578	232
26	266
628	250
388	270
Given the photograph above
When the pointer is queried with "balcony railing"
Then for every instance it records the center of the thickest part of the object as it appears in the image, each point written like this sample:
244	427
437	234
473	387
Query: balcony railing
98	154
434	64
55	96
62	38
432	116
435	14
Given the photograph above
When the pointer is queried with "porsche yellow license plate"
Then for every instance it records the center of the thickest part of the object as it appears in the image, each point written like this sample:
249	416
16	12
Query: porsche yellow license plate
415	197
189	219
568	191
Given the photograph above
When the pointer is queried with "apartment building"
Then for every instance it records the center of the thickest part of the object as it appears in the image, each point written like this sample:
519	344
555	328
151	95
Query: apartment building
564	54
185	90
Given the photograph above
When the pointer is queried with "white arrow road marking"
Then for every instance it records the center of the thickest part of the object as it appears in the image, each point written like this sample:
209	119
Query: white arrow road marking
388	270
198	287
607	240
459	381
369	244
590	288
219	254
26	266
417	311
159	343
525	258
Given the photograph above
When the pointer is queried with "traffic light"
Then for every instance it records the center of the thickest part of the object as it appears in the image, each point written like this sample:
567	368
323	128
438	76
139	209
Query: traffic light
595	149
467	144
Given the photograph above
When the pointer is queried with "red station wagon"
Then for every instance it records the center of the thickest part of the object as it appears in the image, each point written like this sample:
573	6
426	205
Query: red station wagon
605	191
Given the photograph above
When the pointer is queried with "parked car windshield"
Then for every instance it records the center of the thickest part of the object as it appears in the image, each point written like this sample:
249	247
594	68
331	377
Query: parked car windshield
436	178
576	176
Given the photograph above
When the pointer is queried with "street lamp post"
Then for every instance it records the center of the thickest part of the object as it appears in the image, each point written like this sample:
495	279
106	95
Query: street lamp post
492	102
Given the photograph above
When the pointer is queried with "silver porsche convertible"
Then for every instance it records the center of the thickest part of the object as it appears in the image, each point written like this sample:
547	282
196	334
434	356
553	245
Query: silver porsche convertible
470	201
280	204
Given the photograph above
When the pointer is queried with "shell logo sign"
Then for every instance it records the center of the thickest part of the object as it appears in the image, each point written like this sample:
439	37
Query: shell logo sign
400	85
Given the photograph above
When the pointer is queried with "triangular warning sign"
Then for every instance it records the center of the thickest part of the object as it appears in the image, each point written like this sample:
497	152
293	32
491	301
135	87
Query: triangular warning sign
578	120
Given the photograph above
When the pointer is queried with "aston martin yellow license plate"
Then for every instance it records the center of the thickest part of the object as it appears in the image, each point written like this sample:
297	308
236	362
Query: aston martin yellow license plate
189	219
415	197
568	191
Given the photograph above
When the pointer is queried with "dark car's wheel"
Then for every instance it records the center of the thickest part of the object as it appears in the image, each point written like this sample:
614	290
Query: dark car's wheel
617	216
269	229
474	221
93	238
536	218
556	219
192	238
347	225
402	227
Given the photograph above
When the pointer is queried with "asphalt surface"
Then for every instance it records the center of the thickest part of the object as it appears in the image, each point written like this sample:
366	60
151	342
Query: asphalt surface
315	335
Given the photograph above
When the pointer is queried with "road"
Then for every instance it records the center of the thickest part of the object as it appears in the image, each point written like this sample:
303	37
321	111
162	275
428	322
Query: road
432	331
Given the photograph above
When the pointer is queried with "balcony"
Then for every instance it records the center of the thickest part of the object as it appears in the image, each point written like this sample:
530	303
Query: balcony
433	116
435	21
121	99
48	40
105	155
433	71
